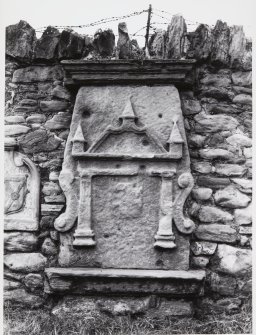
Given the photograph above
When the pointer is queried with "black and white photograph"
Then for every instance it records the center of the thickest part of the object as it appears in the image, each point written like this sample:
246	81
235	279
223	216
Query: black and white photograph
127	167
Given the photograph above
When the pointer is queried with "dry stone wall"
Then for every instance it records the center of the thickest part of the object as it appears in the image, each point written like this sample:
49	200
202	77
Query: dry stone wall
217	112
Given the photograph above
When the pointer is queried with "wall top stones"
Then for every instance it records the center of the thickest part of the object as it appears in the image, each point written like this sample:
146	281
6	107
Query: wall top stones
220	46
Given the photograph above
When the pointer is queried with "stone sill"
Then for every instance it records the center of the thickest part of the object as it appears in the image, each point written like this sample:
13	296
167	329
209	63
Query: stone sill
111	281
116	72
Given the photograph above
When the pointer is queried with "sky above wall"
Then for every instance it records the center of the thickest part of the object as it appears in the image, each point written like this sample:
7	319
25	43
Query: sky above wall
40	13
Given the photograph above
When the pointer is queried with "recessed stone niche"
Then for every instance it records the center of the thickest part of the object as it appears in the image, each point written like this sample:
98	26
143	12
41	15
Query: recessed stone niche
126	177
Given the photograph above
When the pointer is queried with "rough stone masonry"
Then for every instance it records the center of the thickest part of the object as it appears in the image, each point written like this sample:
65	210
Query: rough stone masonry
128	187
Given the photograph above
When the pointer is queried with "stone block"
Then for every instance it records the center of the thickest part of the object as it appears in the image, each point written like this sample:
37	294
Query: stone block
201	166
206	123
232	260
220	43
33	281
202	193
230	197
245	230
28	262
243	99
39	140
191	107
38	73
20	241
104	42
222	108
47	222
36	118
247	152
230	169
47	45
22	298
51	209
20	39
243	216
156	44
14	119
216	233
196	141
49	248
71	45
241	78
212	153
60	92
200	42
175	37
15	130
51	188
10	285
60	121
244	185
53	106
212	94
213	214
218	80
212	182
224	285
200	262
203	248
239	140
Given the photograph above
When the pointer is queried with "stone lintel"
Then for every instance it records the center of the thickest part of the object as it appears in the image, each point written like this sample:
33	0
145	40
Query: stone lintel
111	281
147	72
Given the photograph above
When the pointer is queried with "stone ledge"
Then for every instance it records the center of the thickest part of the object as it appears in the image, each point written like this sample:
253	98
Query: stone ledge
84	72
109	281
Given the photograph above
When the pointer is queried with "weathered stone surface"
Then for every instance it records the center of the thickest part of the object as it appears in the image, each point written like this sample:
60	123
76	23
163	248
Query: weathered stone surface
203	248
200	42
25	262
243	216
14	119
54	176
36	118
22	298
51	209
244	185
60	92
240	89
46	222
216	233
212	153
243	99
230	169
237	46
217	80
245	230
222	108
202	193
196	140
124	48
201	166
175	37
200	262
11	285
59	121
157	44
28	102
169	307
46	46
25	109
239	140
60	198
53	106
39	140
38	73
71	45
247	152
15	130
49	248
214	123
51	188
211	94
232	198
20	40
228	305
104	41
220	45
33	281
190	107
233	260
241	78
213	214
224	285
52	164
20	241
212	182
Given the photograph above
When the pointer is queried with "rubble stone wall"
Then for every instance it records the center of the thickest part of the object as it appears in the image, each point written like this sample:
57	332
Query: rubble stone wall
217	112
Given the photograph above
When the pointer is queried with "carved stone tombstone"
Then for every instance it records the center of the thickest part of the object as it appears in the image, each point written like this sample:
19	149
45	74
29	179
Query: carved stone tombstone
22	185
126	174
